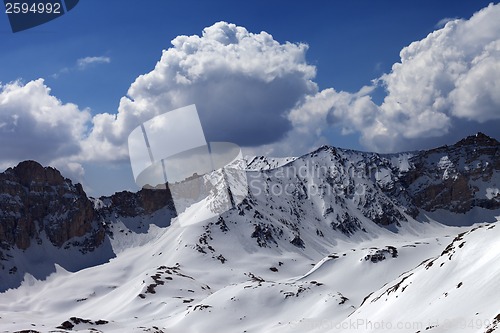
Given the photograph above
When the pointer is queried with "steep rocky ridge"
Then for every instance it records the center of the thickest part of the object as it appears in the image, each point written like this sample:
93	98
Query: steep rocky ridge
456	178
36	200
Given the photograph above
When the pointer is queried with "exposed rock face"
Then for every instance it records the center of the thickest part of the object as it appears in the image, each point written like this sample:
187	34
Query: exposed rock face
36	200
144	202
456	178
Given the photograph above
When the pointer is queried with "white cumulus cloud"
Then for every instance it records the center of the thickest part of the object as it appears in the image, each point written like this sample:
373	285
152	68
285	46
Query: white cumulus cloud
244	84
445	20
447	80
36	125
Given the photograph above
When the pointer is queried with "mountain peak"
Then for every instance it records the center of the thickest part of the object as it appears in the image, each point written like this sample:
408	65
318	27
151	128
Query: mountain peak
29	171
478	139
327	148
39	202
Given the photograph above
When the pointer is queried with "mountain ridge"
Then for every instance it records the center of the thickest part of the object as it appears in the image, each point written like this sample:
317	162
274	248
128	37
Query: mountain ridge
303	220
407	179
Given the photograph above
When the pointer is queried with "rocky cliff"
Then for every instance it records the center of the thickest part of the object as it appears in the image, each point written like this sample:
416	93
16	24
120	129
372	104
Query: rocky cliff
37	202
129	204
456	178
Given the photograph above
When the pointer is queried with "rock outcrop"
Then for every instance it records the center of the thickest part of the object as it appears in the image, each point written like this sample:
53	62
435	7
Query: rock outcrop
143	202
36	201
456	178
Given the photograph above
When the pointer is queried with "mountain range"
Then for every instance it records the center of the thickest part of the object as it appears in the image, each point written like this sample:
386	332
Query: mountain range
335	240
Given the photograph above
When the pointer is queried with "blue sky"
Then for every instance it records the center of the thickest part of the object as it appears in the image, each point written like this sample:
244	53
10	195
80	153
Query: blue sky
350	43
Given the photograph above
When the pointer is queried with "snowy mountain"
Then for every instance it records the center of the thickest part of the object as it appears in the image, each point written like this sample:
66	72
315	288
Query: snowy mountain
457	290
332	240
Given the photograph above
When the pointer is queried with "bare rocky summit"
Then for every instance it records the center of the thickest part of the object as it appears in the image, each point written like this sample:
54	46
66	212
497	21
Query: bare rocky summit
36	199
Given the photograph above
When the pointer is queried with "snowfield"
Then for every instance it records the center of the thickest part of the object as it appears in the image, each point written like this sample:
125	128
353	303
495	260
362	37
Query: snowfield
159	279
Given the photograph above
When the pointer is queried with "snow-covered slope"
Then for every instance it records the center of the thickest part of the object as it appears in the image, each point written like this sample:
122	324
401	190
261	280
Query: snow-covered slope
456	291
258	163
318	242
160	279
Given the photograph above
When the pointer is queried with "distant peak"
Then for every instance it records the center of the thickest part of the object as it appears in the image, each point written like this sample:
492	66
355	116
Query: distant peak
478	139
29	164
26	168
481	135
28	171
324	148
